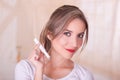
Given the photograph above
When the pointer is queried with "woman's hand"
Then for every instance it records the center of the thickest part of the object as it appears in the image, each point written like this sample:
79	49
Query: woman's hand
37	59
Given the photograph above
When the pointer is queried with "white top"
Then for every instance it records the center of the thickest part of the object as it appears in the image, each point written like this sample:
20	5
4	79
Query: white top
25	71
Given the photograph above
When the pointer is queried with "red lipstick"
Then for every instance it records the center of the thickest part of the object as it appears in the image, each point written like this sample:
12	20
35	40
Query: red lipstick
71	50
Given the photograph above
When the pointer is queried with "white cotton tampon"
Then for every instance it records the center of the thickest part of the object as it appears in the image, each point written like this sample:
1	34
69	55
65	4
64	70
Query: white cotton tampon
42	48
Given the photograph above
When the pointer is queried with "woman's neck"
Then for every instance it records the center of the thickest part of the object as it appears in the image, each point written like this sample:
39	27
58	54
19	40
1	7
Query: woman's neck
58	66
59	61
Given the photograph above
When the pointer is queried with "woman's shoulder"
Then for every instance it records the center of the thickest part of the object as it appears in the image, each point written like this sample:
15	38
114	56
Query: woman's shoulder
84	72
24	70
24	65
81	69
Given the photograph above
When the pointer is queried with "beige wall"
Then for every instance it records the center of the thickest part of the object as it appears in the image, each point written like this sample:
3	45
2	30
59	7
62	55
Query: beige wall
22	20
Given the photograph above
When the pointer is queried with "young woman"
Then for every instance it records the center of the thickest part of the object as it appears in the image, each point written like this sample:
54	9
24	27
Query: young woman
62	36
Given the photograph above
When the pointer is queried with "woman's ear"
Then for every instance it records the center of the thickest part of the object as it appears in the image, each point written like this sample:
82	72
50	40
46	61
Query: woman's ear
49	36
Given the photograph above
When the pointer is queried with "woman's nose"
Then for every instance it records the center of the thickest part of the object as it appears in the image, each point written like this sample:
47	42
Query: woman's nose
74	42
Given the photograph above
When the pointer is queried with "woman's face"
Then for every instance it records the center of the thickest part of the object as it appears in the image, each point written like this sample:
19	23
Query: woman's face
70	40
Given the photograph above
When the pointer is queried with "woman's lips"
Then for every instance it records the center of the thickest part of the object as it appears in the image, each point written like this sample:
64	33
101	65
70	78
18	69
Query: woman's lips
71	50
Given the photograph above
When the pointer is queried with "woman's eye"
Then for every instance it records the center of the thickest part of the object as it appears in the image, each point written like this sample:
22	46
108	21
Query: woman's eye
67	34
80	35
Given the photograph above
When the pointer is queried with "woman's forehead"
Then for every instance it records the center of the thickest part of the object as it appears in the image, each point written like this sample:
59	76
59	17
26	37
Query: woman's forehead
76	25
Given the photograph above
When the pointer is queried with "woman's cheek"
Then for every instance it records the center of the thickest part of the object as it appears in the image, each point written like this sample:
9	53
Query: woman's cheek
64	40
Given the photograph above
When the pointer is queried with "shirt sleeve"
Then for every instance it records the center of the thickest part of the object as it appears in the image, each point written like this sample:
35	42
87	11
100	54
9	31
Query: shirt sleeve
85	74
22	71
89	76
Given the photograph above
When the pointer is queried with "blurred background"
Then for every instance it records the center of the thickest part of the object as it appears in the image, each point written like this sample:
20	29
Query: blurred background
22	20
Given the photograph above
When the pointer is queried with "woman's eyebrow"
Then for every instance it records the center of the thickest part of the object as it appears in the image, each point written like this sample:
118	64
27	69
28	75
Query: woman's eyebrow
81	32
68	30
71	31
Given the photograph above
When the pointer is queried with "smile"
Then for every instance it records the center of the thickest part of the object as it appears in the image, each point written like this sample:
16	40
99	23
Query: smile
71	50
